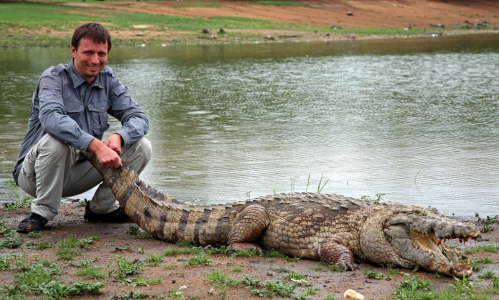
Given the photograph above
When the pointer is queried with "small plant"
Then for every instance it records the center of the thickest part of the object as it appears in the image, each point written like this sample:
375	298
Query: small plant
133	295
70	247
176	294
295	276
236	269
321	185
5	262
38	246
495	282
170	267
307	293
88	270
487	248
19	201
138	233
122	248
145	282
9	238
463	286
217	277
214	250
41	278
487	275
124	268
176	251
154	260
198	260
333	267
377	275
245	253
318	268
35	234
487	222
409	288
378	198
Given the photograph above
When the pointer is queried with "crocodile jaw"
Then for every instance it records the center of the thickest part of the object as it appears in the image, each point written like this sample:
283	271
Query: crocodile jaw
427	249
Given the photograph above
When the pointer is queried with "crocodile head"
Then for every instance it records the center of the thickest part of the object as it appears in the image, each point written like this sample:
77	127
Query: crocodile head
411	235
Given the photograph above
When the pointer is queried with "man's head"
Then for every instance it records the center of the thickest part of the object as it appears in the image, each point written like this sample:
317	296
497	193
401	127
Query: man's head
90	46
92	31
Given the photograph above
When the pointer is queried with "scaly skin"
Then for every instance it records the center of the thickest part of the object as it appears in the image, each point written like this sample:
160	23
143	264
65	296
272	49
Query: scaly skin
314	226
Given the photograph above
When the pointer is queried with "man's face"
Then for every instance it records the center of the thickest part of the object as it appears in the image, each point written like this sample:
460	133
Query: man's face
89	59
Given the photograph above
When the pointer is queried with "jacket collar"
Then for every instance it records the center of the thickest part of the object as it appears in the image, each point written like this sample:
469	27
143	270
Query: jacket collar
78	80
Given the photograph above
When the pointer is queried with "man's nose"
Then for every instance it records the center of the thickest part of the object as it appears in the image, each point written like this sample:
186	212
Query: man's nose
95	58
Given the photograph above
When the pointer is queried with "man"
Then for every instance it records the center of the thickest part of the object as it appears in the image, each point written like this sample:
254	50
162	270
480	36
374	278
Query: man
69	113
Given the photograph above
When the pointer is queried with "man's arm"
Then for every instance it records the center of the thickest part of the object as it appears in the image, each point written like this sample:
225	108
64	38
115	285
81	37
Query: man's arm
133	120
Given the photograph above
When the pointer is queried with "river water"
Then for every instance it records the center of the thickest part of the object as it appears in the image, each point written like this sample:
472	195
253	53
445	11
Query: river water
414	119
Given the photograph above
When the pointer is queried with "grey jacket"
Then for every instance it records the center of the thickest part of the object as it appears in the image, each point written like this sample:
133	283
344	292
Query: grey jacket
65	106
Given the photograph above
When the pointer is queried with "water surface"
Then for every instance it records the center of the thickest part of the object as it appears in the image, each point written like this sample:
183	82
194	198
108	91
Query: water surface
414	119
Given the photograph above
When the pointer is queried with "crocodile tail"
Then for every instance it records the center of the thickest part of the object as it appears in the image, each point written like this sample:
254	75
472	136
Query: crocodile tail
164	218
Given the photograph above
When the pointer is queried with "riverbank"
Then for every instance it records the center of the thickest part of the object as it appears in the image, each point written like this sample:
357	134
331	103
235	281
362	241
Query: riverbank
73	251
50	23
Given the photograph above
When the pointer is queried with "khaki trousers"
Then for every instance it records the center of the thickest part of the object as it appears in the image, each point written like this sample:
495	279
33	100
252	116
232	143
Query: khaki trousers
52	170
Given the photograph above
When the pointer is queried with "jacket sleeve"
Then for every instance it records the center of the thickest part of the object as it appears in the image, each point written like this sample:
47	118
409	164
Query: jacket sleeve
133	120
54	118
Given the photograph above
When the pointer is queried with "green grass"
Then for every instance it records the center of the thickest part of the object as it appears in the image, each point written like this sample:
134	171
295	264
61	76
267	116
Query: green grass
197	260
42	278
30	24
154	260
87	269
487	248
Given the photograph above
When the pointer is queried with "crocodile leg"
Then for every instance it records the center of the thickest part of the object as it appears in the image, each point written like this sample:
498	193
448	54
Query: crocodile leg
338	250
248	226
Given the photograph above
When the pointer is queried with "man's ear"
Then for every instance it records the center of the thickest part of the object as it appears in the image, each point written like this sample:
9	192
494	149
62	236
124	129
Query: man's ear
73	50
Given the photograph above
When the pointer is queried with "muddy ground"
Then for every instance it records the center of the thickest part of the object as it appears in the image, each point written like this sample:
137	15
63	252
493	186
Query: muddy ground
114	241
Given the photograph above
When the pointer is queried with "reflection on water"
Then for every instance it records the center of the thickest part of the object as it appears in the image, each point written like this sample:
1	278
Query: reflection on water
414	119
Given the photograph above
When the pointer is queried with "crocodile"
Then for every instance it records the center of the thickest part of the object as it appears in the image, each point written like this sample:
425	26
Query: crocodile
333	228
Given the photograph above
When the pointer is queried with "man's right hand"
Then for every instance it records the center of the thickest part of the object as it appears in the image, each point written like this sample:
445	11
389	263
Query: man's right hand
106	156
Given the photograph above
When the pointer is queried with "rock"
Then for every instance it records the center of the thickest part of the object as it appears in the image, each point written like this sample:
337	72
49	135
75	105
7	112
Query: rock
349	13
206	30
222	31
269	37
351	294
140	34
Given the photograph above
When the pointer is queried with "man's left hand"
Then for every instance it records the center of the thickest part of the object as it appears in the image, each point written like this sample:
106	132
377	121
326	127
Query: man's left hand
114	142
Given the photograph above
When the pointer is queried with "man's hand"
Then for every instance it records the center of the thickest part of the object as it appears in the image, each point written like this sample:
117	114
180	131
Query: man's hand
114	142
106	155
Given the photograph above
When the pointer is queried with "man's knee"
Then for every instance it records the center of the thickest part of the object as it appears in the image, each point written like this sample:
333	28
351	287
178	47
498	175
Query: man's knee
138	155
49	148
144	147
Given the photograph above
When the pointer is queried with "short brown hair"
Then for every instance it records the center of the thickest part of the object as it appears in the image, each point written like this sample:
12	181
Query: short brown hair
93	31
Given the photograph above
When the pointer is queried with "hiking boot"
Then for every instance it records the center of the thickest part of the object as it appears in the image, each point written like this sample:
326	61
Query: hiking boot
116	216
34	222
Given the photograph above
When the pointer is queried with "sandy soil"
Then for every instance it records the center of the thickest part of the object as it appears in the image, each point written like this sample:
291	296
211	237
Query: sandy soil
113	237
364	14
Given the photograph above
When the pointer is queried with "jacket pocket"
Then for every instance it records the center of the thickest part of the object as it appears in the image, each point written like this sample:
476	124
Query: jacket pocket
98	118
75	110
